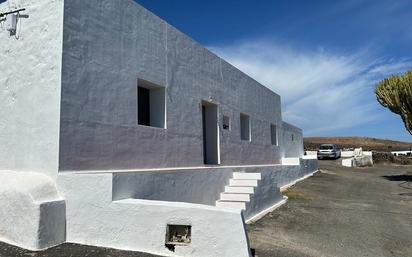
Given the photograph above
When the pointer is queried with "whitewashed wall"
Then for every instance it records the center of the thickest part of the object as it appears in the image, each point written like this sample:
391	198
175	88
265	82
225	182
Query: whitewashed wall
30	79
292	141
140	225
108	45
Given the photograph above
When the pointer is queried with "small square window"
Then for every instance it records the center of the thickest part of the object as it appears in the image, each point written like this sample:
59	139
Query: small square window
245	127
226	123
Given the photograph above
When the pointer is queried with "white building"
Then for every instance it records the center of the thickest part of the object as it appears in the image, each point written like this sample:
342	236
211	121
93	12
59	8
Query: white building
118	129
402	153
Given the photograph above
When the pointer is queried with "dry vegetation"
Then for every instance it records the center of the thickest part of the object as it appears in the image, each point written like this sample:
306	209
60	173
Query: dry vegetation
382	145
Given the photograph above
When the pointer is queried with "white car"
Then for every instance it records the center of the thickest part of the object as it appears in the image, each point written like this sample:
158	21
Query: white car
329	151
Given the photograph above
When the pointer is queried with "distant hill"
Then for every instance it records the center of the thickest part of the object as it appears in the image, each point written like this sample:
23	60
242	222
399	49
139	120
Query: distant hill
384	145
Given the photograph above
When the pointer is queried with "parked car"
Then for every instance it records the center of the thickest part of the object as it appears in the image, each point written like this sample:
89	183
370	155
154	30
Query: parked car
329	151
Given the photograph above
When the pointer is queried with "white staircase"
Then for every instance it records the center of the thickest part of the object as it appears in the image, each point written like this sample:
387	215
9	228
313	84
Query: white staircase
238	192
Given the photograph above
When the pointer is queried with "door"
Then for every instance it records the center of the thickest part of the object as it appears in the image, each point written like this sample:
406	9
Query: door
210	126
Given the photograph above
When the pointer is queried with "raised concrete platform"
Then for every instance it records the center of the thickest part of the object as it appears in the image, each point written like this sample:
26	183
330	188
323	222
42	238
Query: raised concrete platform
32	213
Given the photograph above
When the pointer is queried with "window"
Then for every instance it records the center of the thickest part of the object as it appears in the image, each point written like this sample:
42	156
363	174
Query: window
226	122
150	104
273	134
292	138
245	127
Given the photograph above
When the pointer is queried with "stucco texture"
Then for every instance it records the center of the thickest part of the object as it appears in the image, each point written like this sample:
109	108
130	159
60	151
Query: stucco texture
135	224
108	46
32	213
30	80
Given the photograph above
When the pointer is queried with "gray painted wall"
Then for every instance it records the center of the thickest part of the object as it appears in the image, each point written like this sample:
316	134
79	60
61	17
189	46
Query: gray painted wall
107	46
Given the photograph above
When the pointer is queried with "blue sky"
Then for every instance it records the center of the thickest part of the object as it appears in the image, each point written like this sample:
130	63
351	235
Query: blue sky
322	57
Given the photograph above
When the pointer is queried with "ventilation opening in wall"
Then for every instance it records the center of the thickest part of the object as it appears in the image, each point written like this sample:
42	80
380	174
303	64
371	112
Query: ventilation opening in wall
273	134
245	127
178	235
151	105
226	122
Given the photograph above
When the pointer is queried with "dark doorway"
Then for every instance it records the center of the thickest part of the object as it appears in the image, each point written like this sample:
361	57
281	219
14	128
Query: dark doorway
210	133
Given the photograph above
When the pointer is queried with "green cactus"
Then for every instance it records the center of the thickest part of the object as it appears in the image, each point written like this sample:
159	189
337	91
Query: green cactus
395	93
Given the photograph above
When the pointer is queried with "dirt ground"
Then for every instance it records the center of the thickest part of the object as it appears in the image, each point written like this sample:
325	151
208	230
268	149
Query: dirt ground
341	212
338	212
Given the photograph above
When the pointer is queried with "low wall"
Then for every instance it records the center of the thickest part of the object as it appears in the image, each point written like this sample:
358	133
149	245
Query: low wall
201	186
191	186
140	225
346	154
130	210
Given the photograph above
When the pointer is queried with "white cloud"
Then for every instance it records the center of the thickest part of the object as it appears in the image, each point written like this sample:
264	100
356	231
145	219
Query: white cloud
321	91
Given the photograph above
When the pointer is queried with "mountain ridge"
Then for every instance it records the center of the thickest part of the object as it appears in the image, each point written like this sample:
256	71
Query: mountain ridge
367	143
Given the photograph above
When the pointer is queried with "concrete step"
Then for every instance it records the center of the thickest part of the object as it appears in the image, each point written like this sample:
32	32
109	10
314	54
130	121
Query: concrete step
231	205
243	182
243	175
235	197
239	190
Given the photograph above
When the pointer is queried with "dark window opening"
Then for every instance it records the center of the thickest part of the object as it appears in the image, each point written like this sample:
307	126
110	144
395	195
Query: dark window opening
273	134
151	105
226	122
245	127
144	106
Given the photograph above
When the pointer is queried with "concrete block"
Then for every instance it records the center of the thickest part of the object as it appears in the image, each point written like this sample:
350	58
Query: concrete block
32	213
347	162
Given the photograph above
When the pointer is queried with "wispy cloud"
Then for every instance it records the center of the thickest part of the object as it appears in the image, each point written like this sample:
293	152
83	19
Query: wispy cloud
321	91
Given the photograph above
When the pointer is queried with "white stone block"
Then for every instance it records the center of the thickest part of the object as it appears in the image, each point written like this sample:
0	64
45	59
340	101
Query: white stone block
347	162
32	214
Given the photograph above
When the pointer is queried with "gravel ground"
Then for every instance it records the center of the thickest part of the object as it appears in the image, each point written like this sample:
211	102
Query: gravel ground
341	212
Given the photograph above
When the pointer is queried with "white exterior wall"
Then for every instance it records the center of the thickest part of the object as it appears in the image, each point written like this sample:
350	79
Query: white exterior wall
108	45
140	225
292	141
73	107
30	79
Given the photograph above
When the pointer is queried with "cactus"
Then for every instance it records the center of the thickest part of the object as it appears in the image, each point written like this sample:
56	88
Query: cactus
395	93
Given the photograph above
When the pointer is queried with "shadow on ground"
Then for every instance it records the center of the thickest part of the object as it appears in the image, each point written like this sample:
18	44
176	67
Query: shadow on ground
68	250
406	177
